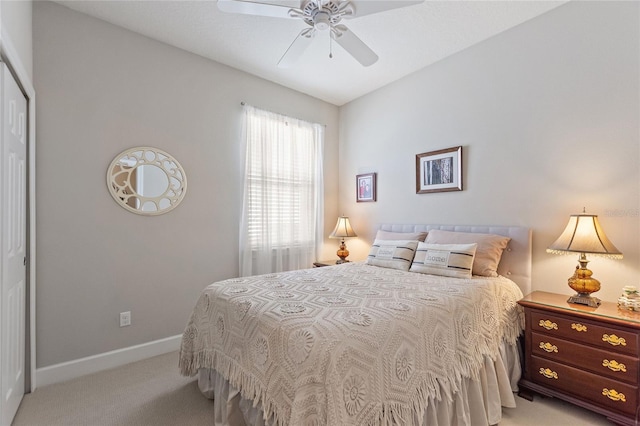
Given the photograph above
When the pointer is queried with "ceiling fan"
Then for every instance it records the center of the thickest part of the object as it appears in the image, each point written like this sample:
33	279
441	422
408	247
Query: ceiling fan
320	16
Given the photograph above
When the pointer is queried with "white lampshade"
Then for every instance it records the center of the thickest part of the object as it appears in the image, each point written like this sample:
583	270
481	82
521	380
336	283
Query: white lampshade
343	229
584	234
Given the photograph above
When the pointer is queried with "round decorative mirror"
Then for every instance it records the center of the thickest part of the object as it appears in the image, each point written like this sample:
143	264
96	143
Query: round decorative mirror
146	181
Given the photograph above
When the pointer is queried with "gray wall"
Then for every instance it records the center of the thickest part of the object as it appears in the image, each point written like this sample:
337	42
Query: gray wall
102	89
548	115
15	21
547	112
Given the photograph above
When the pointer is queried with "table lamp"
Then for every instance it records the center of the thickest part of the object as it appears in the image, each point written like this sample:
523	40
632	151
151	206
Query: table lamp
343	230
583	235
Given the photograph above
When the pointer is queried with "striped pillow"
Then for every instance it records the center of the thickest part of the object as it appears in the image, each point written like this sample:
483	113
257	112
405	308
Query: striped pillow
449	260
488	253
394	254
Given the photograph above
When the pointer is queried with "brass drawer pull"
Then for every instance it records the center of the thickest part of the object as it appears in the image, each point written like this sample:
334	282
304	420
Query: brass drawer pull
614	365
578	327
548	373
548	347
614	340
613	395
548	325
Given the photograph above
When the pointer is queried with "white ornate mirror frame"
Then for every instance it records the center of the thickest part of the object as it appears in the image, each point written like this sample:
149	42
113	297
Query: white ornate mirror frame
146	181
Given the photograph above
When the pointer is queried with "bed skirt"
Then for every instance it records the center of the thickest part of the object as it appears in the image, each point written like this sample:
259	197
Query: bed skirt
479	403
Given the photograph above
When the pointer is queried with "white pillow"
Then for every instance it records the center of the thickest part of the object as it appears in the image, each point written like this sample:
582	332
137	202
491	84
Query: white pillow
488	253
449	260
394	254
389	235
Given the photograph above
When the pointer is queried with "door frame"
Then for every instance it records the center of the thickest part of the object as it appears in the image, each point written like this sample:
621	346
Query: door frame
10	57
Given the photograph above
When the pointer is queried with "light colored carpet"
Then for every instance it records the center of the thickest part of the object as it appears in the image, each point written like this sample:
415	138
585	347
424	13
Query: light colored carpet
148	392
152	392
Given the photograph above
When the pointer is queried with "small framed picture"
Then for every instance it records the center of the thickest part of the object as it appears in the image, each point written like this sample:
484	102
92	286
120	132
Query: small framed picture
439	171
366	187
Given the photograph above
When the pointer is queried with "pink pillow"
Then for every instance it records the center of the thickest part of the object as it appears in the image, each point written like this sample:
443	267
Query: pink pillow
413	236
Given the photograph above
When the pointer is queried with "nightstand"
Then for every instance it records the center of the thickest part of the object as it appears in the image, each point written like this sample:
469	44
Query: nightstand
583	355
322	263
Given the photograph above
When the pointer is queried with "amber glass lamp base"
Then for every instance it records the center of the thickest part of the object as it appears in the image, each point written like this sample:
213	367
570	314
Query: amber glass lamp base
582	282
342	253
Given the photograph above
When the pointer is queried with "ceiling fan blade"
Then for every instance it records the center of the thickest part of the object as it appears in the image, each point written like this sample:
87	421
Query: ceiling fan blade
363	7
356	47
297	48
254	8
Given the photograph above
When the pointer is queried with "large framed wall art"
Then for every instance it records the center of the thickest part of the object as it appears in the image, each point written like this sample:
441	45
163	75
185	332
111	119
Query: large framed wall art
439	171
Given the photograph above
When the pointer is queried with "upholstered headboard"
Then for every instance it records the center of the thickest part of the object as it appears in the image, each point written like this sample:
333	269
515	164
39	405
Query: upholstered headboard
515	263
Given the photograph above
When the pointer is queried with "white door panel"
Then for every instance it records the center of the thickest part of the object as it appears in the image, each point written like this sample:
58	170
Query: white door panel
12	245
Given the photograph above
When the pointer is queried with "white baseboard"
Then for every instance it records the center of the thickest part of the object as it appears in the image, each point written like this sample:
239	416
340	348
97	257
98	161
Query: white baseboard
92	364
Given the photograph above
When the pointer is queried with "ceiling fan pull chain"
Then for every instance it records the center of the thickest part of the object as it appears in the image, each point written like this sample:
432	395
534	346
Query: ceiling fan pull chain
330	47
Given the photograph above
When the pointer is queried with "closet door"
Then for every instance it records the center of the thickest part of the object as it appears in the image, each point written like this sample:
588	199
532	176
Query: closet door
13	189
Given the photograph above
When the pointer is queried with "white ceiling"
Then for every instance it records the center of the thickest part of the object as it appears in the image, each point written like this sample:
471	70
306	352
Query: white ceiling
405	39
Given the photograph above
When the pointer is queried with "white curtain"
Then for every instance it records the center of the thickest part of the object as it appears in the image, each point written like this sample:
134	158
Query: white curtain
282	215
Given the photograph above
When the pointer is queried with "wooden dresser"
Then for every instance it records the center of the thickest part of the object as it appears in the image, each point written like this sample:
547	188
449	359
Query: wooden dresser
586	356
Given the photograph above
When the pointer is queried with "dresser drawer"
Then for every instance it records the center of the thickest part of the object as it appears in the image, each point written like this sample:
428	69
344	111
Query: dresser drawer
599	361
591	387
601	336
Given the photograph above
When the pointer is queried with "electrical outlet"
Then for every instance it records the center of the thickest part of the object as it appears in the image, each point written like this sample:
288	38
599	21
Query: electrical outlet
125	318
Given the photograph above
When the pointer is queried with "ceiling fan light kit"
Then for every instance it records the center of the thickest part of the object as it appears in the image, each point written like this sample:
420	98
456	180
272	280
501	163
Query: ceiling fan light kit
319	15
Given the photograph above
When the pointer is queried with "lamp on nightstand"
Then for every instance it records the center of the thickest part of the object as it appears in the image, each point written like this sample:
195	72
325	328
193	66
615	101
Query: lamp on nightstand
583	235
343	230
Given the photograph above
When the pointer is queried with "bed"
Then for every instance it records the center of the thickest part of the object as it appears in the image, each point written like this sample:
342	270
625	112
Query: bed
367	343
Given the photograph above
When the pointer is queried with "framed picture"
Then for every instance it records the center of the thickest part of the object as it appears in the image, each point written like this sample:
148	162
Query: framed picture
439	171
366	187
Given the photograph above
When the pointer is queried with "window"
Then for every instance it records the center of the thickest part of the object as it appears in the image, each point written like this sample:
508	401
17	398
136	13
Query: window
281	226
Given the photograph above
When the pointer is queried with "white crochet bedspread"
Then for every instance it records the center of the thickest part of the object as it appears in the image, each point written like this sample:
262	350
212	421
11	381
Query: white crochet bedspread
351	344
